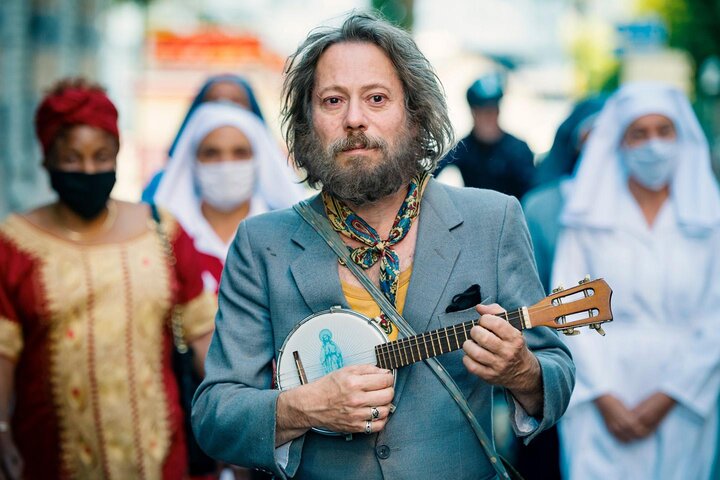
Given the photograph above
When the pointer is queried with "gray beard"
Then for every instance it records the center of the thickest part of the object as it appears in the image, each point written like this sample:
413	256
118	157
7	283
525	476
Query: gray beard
356	182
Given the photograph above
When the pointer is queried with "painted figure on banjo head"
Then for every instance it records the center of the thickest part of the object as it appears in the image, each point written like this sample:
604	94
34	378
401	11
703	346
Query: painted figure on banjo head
331	357
365	118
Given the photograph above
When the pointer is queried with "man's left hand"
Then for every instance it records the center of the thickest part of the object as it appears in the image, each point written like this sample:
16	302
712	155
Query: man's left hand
499	355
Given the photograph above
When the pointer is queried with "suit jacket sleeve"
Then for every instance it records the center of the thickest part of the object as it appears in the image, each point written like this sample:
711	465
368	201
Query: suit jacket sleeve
518	284
234	409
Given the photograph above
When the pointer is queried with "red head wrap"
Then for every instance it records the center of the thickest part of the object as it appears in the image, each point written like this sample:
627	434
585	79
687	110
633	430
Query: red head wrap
74	105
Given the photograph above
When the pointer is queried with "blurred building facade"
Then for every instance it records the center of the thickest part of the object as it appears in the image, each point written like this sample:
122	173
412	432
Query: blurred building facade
40	41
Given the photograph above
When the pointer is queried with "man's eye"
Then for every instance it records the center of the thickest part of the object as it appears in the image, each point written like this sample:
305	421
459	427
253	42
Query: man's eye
377	98
332	100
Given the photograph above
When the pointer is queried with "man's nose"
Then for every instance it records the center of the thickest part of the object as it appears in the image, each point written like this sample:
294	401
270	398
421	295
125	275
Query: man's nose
355	118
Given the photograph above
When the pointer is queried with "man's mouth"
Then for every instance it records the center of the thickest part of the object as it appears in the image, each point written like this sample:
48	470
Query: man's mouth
355	148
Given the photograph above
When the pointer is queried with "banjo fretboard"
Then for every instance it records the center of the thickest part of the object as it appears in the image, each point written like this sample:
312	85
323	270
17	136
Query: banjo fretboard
405	351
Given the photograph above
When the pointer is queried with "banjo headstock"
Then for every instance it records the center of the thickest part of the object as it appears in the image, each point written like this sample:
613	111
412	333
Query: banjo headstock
586	304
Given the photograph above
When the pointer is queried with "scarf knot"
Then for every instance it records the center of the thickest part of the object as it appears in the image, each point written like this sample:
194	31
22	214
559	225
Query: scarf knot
374	249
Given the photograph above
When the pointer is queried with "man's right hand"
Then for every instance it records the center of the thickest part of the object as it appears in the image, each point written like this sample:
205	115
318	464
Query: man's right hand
11	464
341	401
620	421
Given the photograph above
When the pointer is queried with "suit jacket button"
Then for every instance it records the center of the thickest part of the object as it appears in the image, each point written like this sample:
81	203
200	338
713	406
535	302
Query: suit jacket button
382	451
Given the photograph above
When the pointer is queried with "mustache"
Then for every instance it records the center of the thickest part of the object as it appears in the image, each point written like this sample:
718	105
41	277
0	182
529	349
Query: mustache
356	140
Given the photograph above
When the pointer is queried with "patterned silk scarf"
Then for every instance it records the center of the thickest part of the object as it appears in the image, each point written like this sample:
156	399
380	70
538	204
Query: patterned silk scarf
349	224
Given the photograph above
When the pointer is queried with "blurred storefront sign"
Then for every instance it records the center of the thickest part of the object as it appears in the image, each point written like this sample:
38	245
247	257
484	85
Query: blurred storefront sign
641	36
209	47
644	54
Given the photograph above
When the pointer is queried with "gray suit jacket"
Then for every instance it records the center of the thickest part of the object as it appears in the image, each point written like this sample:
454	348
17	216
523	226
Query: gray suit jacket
280	271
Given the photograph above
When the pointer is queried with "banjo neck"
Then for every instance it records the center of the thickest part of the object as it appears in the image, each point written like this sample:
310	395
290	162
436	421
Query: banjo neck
590	299
406	351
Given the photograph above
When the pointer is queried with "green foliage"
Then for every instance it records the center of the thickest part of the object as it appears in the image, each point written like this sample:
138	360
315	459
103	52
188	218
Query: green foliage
596	67
399	12
694	25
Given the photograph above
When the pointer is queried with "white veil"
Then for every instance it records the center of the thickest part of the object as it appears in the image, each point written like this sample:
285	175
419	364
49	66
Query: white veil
276	185
600	176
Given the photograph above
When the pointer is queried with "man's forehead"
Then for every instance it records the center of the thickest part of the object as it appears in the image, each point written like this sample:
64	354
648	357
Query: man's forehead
355	65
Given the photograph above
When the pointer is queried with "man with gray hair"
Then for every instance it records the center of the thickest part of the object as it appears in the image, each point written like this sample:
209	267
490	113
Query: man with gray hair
365	117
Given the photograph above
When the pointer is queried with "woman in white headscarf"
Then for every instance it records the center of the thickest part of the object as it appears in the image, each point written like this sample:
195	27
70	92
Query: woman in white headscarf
644	213
225	168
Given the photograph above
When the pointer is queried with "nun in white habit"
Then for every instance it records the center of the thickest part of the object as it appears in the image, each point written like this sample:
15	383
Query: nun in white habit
225	168
644	213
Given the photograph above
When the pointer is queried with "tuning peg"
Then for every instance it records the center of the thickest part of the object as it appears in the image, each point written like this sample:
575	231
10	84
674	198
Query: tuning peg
598	328
558	289
570	332
584	280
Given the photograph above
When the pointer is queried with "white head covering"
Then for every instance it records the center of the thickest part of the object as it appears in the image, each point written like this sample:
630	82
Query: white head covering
276	185
600	175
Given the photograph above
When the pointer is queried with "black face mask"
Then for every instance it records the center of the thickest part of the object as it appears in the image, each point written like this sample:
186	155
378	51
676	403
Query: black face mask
85	194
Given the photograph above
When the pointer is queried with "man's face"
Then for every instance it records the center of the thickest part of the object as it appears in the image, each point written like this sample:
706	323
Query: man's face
485	123
362	147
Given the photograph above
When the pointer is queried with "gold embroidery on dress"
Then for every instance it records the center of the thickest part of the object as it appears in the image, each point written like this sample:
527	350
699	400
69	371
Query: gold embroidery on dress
108	306
11	341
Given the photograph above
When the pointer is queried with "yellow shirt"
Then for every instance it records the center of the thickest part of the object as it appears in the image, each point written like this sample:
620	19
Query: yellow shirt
360	300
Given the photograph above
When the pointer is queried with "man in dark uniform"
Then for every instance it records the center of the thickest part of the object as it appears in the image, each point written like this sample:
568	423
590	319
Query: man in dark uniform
489	157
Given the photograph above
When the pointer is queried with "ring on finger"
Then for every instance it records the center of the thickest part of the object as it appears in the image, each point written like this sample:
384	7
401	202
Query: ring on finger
368	427
374	413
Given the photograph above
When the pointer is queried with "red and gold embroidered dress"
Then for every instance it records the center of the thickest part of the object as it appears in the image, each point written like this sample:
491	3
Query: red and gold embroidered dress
87	325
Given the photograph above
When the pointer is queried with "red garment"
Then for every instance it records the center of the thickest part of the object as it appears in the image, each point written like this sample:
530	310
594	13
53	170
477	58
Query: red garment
74	106
211	268
88	328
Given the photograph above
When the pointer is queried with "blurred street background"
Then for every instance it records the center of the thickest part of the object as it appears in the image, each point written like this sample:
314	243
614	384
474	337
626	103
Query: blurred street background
152	56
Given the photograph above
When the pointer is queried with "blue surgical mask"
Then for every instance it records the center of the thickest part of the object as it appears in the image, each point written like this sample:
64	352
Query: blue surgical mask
653	163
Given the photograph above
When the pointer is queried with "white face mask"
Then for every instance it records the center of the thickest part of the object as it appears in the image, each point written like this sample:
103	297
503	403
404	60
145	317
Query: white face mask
653	163
225	185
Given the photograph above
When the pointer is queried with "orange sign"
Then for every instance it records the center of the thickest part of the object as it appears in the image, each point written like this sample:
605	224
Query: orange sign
209	47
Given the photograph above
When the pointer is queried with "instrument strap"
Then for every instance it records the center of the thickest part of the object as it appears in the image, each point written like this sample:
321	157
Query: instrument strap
323	228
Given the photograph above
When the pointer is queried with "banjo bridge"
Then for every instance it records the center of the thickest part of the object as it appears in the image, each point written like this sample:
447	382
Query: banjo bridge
300	369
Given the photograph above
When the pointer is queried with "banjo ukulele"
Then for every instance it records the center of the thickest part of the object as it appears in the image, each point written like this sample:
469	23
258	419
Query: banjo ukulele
339	337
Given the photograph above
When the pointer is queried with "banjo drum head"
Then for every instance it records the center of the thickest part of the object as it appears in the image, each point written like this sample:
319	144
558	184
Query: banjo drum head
325	342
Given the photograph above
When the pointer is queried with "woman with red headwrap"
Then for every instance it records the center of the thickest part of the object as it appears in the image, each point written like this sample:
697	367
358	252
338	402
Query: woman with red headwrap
86	292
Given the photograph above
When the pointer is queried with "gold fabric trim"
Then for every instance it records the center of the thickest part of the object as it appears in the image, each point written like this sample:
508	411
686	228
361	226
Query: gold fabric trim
169	223
198	316
108	306
11	341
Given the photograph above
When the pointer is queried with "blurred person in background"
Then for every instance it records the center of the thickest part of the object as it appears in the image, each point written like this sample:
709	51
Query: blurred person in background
225	167
644	213
86	291
542	205
489	157
226	87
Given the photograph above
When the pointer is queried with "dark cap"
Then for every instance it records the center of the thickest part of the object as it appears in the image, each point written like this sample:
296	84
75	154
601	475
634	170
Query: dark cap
486	90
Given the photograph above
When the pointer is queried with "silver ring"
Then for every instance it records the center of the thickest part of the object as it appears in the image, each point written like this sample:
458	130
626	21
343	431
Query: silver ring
368	427
374	413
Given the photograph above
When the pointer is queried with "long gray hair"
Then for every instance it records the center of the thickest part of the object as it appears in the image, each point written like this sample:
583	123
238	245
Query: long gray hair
424	96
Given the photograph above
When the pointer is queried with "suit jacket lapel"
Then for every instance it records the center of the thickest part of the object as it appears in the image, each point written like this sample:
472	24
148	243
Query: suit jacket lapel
315	269
436	251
